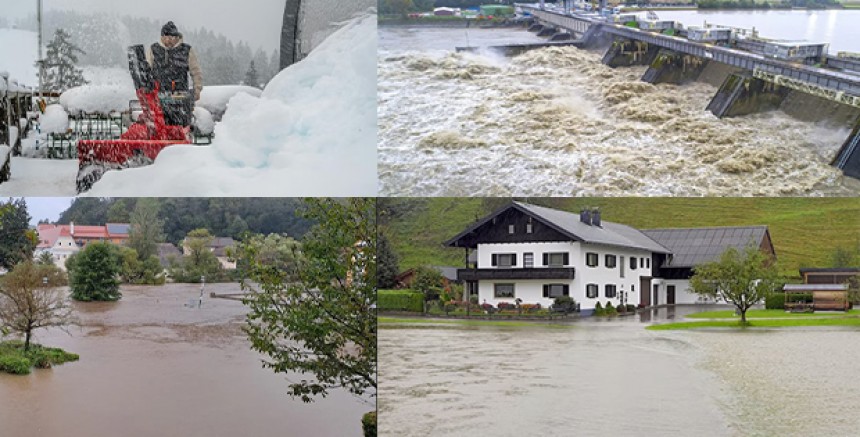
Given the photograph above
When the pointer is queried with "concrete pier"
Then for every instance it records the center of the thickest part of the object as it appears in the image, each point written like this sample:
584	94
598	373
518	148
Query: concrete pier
848	158
742	94
673	67
625	52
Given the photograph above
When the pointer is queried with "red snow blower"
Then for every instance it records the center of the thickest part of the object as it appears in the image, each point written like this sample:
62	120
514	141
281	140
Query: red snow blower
165	120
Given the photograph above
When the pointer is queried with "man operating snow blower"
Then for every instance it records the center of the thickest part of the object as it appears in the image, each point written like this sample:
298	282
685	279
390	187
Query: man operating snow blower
171	60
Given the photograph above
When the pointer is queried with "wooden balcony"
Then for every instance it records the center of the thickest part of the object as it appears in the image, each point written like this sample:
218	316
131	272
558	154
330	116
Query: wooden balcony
516	273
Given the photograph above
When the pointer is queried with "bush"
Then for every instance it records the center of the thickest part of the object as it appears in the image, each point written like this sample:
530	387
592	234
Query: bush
400	300
14	360
598	310
631	308
16	365
530	306
610	310
506	306
799	298
775	301
368	424
487	307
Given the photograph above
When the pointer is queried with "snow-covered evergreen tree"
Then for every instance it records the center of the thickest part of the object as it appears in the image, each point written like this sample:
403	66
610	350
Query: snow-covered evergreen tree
61	72
251	78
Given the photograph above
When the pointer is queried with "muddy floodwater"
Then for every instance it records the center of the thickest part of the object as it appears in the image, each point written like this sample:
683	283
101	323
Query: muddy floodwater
596	377
558	122
150	366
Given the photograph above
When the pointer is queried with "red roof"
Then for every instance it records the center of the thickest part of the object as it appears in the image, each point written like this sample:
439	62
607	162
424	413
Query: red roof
90	232
48	234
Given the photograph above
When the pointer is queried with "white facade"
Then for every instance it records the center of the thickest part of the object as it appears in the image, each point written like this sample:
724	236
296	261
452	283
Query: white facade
627	281
62	249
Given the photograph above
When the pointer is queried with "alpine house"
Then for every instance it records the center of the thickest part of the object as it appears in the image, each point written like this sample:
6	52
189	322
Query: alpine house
536	254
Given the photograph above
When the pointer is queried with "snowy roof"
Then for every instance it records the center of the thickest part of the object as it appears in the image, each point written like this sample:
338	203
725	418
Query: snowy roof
693	246
100	99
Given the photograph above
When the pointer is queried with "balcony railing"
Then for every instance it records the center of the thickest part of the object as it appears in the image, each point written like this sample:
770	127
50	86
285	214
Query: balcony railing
516	273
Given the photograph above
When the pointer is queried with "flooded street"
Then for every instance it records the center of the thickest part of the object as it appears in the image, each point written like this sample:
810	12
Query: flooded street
557	122
599	377
151	366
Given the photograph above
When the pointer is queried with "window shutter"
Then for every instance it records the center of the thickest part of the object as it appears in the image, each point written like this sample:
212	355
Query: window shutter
566	290
566	258
495	260
514	259
545	290
546	259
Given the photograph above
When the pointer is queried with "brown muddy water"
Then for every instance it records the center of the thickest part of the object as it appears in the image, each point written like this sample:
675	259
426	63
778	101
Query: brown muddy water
557	122
152	367
615	378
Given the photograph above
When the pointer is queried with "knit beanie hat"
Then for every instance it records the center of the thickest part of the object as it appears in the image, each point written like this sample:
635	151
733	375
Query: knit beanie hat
170	29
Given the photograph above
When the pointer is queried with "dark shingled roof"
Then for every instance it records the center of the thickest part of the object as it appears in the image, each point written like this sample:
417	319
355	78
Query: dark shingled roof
693	246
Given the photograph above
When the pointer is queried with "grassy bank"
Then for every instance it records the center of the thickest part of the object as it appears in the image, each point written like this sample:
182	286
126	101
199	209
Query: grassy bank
14	360
759	323
463	322
766	314
805	231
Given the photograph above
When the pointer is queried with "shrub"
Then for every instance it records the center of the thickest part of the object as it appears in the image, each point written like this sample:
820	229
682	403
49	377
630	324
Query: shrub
631	308
598	310
531	306
94	274
610	310
16	365
400	300
487	307
368	424
473	300
775	301
506	306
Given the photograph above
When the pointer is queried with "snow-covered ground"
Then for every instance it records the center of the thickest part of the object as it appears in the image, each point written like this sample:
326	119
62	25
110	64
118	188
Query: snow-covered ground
41	177
18	55
312	132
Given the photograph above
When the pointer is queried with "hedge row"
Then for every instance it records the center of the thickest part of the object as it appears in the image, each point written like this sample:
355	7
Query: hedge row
400	300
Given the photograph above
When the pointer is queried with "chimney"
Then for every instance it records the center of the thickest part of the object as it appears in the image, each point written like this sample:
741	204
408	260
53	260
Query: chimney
595	217
73	229
585	216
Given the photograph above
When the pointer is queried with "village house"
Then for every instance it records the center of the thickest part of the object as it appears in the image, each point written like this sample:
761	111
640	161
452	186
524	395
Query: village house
218	247
536	254
63	241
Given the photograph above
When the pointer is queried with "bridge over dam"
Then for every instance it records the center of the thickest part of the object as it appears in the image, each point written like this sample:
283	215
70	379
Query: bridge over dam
753	74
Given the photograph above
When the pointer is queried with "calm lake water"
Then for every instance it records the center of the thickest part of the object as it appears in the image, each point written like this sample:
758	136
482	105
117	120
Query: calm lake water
598	377
152	367
558	122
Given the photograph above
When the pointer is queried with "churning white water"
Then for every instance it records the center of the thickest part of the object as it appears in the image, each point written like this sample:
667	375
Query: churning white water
557	122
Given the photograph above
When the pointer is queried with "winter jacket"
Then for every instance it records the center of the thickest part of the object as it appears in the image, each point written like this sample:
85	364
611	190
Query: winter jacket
171	66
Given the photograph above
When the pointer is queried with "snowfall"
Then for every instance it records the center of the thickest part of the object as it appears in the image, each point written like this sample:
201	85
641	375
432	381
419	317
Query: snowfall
310	132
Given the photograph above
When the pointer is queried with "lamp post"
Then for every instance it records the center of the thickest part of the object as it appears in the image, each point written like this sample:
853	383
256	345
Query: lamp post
202	286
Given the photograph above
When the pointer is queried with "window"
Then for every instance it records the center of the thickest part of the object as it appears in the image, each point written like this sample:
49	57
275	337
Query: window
632	263
504	290
622	266
591	259
632	288
647	263
642	263
528	260
610	261
559	259
591	291
610	290
528	228
504	259
556	290
511	229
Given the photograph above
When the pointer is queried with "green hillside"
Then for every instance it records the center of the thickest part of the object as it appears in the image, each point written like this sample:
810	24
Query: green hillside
805	231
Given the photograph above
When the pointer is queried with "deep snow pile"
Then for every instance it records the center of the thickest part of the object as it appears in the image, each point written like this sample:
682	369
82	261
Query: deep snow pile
102	99
18	55
214	98
54	120
203	121
312	132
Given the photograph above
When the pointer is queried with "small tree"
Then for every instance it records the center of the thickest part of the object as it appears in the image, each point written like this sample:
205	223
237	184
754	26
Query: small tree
428	281
251	77
742	279
199	261
45	258
93	273
147	229
323	324
61	72
29	300
17	241
388	263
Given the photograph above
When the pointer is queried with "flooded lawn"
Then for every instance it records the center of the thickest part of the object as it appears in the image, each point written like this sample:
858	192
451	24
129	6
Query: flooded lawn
598	377
151	366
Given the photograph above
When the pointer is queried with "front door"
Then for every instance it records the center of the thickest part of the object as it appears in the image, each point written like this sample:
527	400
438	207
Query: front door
670	294
644	286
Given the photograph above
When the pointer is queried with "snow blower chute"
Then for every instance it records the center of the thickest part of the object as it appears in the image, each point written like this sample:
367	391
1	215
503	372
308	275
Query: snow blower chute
165	120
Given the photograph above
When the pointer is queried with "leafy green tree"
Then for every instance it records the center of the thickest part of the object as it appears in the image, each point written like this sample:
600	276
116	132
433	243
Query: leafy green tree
93	273
17	241
845	257
742	279
45	258
147	229
135	271
388	263
428	281
30	300
199	260
119	212
324	324
277	251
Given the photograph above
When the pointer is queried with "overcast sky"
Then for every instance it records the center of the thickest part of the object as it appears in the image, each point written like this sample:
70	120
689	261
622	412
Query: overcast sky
257	22
46	207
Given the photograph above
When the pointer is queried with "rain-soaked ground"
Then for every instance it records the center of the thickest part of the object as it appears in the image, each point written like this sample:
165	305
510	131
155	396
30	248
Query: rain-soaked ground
613	377
150	366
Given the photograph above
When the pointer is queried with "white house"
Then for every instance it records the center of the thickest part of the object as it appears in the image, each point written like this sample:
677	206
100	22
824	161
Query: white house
535	254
